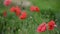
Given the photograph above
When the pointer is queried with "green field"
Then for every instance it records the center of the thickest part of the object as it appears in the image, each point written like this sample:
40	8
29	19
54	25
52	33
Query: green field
49	9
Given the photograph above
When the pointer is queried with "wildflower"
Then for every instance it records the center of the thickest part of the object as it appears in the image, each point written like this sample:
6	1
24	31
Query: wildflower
41	27
12	9
7	2
37	9
34	8
51	25
18	11
23	15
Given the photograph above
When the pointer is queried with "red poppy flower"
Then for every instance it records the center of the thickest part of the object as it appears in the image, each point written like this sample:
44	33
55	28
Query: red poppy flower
32	8
23	15
41	27
7	2
37	9
4	13
12	9
18	11
51	25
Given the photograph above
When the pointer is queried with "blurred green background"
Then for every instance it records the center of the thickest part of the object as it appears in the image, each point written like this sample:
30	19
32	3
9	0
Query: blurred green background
49	9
